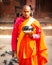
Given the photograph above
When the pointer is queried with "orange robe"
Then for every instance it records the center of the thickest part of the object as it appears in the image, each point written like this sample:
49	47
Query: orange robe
31	51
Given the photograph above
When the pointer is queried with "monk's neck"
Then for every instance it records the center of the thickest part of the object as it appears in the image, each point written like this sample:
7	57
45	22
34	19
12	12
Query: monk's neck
26	18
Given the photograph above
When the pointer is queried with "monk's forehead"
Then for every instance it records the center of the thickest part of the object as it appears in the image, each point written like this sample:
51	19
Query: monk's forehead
26	7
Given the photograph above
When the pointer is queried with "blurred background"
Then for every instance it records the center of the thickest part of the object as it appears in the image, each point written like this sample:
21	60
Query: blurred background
10	9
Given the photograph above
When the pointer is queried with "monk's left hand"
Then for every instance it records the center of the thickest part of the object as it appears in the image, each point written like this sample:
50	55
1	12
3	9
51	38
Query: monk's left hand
29	34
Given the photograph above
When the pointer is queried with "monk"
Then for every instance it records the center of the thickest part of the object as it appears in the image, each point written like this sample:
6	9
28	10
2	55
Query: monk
29	46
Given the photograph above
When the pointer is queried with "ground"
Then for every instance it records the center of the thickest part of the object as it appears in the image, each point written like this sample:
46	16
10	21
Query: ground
5	41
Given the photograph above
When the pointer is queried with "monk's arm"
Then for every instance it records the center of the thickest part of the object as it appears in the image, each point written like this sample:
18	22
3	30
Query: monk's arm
41	45
14	38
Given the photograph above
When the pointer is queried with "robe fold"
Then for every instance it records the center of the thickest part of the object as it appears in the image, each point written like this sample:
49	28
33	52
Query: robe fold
30	51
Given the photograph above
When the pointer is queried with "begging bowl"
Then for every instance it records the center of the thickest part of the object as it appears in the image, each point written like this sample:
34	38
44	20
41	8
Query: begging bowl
27	29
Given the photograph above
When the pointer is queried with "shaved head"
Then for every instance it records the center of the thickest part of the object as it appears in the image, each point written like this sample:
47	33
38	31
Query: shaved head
26	11
26	7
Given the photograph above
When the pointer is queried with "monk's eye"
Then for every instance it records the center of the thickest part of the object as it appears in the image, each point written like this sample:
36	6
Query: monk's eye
26	11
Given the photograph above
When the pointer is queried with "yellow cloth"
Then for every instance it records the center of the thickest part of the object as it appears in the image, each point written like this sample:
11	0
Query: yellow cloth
32	50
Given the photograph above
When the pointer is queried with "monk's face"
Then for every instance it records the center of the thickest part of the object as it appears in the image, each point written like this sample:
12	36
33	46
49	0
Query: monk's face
26	12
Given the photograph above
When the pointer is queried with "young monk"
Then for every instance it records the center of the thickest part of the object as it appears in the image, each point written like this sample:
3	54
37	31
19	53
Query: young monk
29	45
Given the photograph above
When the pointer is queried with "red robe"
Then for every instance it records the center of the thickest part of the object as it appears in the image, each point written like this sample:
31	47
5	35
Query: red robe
30	51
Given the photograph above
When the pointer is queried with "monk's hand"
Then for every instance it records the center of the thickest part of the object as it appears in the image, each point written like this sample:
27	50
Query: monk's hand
29	34
14	54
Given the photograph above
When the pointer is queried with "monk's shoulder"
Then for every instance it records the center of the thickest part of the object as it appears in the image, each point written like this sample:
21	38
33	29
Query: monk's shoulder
36	22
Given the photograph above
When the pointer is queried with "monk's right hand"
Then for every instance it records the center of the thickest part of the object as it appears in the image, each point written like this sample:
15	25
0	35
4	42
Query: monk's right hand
14	54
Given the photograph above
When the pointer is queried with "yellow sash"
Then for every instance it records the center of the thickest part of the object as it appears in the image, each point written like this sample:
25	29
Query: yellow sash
25	23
